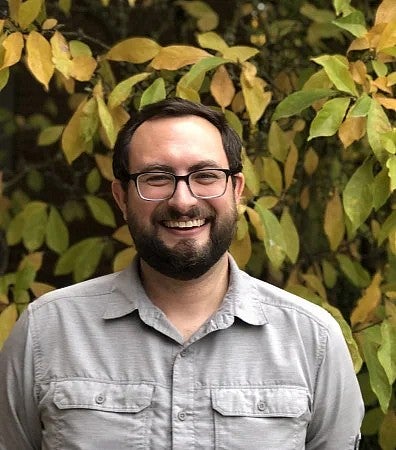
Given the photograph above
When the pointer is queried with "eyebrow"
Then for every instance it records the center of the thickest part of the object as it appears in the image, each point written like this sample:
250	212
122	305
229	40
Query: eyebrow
165	168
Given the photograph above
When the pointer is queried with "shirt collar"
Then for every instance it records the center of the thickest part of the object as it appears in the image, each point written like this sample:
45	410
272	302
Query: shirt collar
242	299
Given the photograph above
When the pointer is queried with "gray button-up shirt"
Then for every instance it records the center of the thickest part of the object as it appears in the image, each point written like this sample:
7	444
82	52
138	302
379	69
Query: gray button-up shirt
98	366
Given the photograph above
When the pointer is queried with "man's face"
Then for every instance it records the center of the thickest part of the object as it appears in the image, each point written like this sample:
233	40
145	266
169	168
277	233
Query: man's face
181	237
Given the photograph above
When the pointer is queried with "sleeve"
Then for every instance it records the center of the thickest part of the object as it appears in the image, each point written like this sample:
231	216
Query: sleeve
20	426
337	407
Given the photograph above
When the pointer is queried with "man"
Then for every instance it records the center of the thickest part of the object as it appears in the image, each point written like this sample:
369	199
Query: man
181	350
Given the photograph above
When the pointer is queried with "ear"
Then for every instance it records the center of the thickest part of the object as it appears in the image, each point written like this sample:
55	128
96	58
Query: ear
120	196
239	186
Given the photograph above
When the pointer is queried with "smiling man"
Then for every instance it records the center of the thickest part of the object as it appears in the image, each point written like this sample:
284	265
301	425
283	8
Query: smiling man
182	349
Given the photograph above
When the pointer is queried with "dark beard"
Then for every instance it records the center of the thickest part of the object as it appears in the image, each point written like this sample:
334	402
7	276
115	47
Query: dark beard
184	261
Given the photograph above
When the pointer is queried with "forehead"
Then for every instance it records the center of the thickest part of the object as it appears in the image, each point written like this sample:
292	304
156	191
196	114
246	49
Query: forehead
176	142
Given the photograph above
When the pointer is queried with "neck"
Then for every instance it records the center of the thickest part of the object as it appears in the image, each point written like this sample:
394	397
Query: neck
187	304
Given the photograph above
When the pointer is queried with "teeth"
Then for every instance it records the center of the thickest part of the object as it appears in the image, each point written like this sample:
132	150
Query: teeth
184	224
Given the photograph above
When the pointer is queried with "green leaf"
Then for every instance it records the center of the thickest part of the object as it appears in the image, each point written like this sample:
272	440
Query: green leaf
93	181
387	227
212	41
357	195
337	69
24	278
68	261
387	350
372	421
124	89
370	342
234	121
290	235
154	93
35	227
57	235
4	76
50	135
195	76
354	271
353	22
329	118
78	48
362	106
300	100
329	274
15	229
88	259
8	317
252	179
381	189
380	68
101	210
377	124
274	241
342	6
89	120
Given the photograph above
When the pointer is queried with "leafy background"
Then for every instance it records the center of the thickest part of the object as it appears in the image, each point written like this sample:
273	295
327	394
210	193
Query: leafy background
308	86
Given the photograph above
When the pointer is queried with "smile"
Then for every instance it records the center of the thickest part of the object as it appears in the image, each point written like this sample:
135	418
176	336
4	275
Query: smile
184	223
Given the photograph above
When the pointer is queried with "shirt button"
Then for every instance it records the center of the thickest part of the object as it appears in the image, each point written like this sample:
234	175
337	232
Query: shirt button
100	398
261	405
182	415
183	353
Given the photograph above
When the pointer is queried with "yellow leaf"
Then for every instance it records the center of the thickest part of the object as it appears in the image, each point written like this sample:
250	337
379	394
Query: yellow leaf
28	12
39	58
40	289
8	317
13	8
34	260
392	241
267	202
207	18
123	235
334	224
78	48
13	45
222	87
305	197
134	50
49	24
386	12
388	103
272	175
311	161
238	103
290	235
241	250
290	165
123	259
239	53
174	57
73	143
107	122
212	41
256	99
351	130
251	177
278	142
2	22
83	67
387	431
255	220
315	283
366	305
120	117
105	166
60	54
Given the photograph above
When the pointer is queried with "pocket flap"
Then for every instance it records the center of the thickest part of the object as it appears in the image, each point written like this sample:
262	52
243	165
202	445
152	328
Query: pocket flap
260	402
103	396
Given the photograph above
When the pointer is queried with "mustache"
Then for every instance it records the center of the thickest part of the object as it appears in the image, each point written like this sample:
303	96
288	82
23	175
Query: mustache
171	213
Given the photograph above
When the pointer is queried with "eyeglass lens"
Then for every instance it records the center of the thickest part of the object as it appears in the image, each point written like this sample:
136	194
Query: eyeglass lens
161	185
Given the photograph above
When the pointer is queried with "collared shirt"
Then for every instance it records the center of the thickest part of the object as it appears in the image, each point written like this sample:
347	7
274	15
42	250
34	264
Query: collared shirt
98	366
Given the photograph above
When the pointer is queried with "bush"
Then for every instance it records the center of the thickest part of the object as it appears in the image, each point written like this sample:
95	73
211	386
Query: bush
311	92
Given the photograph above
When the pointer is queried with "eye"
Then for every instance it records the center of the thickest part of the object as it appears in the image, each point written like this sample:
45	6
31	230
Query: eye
207	176
156	179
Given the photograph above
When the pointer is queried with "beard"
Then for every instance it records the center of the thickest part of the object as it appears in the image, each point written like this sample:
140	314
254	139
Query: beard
186	260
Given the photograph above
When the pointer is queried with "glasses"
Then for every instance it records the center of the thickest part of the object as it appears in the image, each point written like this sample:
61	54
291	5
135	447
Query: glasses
204	183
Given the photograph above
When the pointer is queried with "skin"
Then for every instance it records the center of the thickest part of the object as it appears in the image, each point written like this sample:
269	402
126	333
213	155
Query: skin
179	145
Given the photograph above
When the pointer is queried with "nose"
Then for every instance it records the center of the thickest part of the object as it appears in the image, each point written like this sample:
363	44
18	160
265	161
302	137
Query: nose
182	198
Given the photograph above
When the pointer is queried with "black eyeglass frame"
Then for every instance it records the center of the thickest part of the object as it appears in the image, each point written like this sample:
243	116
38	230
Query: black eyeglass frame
186	178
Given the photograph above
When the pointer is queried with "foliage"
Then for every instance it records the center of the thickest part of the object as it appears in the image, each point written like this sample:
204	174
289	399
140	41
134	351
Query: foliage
311	92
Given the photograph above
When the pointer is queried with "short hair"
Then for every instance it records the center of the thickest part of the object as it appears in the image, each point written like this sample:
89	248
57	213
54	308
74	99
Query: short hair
174	107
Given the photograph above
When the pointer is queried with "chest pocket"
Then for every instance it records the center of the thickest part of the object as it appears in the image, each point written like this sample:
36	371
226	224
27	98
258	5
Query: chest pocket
270	418
101	415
